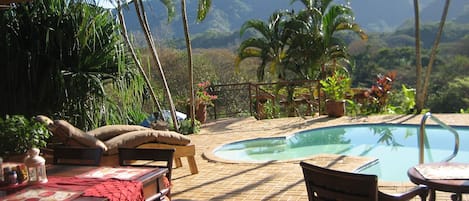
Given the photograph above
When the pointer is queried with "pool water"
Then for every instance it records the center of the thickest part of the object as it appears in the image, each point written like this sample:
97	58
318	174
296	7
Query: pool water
395	146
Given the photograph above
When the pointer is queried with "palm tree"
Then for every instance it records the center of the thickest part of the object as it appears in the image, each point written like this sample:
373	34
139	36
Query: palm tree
422	82
271	47
203	9
300	43
300	46
316	45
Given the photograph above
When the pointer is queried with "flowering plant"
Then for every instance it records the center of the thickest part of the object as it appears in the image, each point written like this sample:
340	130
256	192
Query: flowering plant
203	97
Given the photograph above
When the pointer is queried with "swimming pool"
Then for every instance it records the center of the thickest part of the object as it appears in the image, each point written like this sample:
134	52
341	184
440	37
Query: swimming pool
395	146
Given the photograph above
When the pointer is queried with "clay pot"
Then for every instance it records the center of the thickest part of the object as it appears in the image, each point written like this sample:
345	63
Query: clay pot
335	108
201	113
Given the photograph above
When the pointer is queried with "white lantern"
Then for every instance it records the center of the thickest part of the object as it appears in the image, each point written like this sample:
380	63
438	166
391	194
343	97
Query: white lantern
36	166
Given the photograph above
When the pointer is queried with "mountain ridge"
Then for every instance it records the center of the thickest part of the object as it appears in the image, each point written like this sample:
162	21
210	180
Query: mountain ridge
228	16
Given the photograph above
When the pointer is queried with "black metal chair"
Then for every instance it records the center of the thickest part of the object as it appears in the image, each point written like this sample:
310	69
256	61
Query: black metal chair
325	184
149	157
66	155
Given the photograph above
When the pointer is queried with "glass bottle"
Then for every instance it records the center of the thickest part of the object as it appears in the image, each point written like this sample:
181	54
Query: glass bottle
13	177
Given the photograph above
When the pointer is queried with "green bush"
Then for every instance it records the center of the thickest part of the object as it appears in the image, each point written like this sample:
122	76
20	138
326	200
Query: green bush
186	127
336	86
18	134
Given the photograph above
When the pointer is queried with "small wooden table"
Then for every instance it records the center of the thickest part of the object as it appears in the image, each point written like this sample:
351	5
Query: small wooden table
452	185
149	179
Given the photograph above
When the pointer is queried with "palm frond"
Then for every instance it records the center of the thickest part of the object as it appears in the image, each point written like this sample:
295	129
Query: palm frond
203	8
170	8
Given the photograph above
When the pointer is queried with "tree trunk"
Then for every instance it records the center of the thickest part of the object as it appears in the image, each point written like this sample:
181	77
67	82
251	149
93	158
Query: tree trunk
423	82
434	50
134	55
418	59
189	63
144	23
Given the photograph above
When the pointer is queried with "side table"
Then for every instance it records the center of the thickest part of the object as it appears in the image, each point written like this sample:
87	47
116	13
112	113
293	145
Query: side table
437	177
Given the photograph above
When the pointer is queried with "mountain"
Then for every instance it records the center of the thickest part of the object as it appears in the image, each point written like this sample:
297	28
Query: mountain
227	16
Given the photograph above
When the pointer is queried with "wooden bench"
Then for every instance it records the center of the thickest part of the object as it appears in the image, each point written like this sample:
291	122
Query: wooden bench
180	151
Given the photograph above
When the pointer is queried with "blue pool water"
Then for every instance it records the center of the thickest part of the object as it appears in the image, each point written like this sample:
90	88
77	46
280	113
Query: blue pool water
395	146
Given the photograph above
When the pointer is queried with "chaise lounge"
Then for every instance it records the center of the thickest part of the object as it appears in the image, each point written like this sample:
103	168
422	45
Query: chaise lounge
112	137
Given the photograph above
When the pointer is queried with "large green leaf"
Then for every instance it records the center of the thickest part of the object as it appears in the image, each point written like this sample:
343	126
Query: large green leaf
203	9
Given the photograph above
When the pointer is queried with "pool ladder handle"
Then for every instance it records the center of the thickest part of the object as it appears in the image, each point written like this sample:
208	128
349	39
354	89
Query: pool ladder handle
421	139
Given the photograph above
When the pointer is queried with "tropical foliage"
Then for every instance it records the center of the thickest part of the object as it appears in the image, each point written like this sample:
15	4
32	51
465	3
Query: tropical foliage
317	45
59	57
402	102
270	47
300	46
49	47
336	86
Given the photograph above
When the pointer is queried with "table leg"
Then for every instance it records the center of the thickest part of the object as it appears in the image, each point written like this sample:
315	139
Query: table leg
456	197
432	195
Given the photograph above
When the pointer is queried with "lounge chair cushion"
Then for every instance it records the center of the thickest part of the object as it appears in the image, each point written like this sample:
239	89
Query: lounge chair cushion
72	135
44	120
136	138
107	132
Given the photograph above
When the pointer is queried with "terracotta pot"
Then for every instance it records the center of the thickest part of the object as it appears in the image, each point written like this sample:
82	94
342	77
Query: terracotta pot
335	108
201	113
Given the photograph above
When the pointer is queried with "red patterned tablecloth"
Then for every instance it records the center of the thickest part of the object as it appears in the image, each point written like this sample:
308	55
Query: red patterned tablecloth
122	173
71	187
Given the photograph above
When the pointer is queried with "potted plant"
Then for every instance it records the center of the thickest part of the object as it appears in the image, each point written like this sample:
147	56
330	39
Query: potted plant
203	99
336	88
19	134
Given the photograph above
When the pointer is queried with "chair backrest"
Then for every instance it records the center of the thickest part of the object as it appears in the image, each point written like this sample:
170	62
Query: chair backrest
66	155
147	157
332	185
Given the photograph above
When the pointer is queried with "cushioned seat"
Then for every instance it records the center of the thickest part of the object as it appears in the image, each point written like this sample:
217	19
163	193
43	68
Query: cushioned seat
111	137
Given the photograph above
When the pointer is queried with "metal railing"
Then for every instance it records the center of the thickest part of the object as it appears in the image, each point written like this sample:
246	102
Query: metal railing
421	138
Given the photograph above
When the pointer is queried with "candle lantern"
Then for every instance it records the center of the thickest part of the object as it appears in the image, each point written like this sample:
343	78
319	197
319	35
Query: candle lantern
36	166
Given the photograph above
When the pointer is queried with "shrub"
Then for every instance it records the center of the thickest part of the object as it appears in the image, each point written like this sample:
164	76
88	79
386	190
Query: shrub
18	135
186	127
